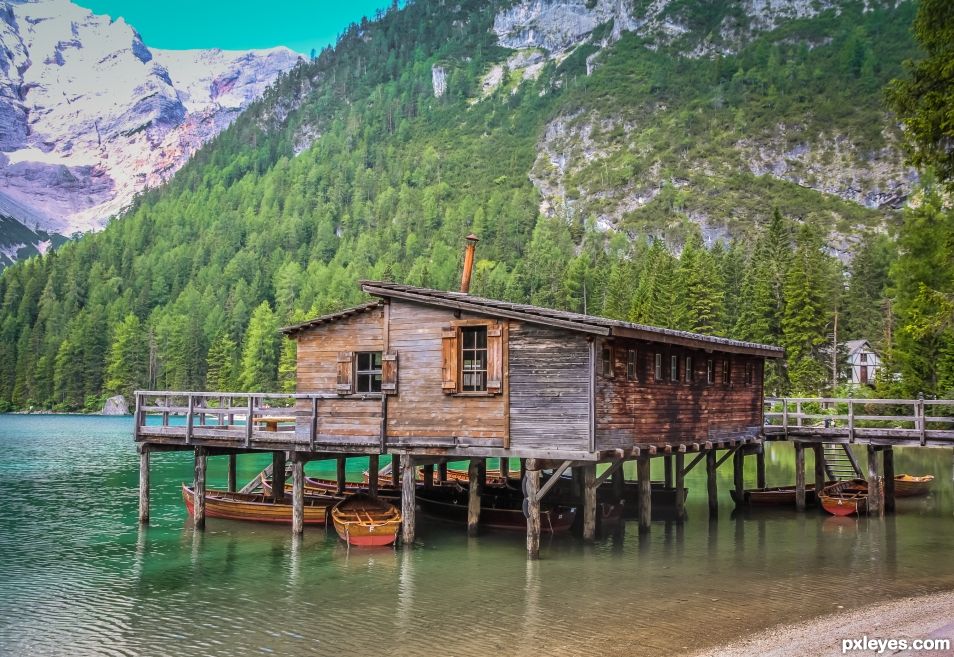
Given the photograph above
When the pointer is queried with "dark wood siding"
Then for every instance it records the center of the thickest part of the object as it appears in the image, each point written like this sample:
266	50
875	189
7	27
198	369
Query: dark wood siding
549	388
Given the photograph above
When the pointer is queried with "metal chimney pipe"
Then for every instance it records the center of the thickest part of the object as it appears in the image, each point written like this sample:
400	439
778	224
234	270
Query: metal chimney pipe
468	263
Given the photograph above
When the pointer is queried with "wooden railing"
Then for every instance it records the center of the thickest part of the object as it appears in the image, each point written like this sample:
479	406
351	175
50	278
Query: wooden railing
249	417
907	419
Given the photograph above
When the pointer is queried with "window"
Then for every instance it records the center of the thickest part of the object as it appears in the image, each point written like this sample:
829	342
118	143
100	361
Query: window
710	371
658	372
473	358
631	364
864	357
749	373
606	361
367	371
674	368
688	374
726	372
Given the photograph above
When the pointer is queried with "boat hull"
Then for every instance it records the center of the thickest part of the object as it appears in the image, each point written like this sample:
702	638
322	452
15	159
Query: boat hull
910	486
257	508
453	507
365	521
776	496
845	498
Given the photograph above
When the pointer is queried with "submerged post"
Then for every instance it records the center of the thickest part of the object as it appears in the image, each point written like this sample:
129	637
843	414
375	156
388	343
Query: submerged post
887	457
645	493
473	496
680	486
278	476
298	495
341	473
738	474
711	485
198	503
799	476
760	466
230	484
667	466
373	475
408	501
589	502
144	483
819	469
532	491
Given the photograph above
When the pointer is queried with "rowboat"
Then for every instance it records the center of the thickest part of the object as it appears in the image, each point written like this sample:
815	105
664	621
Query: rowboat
365	521
845	498
258	507
497	510
494	478
910	486
776	496
317	486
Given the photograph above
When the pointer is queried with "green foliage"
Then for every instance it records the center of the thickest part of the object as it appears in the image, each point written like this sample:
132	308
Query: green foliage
126	361
259	369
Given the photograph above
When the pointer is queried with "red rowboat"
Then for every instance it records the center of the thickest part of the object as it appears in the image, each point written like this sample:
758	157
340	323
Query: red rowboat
845	498
258	507
365	521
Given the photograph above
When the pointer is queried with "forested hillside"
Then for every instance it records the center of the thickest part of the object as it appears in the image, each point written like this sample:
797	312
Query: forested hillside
357	166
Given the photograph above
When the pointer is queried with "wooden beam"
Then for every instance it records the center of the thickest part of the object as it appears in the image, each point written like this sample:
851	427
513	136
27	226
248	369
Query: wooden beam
278	476
711	485
799	476
725	457
698	457
738	474
819	450
887	457
408	500
473	496
429	476
667	466
505	469
680	487
645	494
532	501
230	482
144	484
760	467
341	470
874	481
610	472
198	503
589	502
298	496
554	478
442	471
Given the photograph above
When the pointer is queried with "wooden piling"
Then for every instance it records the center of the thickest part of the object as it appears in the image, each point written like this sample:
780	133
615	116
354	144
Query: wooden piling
198	504
408	501
820	477
442	471
799	476
738	473
874	487
667	466
298	496
504	469
589	502
711	485
278	476
429	476
680	486
887	459
532	490
645	494
373	475
619	483
341	473
473	496
396	469
144	484
760	467
231	481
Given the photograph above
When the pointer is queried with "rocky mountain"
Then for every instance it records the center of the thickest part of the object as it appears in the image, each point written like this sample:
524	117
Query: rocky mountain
90	115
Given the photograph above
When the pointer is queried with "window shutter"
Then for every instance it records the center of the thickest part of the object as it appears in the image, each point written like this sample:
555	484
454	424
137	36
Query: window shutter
494	359
389	373
449	353
345	373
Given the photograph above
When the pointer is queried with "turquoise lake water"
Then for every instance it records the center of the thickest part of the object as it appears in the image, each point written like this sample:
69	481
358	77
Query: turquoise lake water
78	576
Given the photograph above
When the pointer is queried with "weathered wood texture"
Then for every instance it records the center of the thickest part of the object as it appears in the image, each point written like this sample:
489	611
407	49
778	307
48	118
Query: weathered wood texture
799	476
473	496
298	496
408	501
198	504
645	494
549	388
589	502
645	410
144	484
532	488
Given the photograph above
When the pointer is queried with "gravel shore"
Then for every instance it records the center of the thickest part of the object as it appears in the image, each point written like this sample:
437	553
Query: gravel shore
925	617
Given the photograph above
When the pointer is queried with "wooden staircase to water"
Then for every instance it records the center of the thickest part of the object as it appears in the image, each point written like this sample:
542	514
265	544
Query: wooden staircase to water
840	463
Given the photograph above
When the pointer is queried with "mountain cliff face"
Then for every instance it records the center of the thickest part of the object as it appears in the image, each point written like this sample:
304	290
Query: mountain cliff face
90	115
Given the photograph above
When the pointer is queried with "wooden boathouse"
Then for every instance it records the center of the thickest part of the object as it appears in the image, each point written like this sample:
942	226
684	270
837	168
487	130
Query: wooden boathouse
431	376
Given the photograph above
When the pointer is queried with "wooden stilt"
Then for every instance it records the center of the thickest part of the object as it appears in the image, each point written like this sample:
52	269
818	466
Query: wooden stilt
645	494
887	457
442	472
799	476
680	486
760	467
396	469
482	474
429	476
298	496
532	490
711	485
144	484
589	502
278	476
473	496
198	504
819	450
667	466
505	468
523	468
408	501
373	475
738	473
230	484
874	487
341	473
619	483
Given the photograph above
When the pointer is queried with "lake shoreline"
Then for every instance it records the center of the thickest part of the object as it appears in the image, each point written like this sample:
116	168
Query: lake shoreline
920	617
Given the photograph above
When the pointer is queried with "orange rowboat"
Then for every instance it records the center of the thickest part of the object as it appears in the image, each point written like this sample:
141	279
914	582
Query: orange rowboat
845	498
911	486
257	507
365	521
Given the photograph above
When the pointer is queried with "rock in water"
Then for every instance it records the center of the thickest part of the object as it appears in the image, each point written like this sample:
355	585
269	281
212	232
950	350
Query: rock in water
116	406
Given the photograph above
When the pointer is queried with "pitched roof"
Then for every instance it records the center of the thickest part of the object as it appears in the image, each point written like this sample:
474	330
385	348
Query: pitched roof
324	319
571	321
851	346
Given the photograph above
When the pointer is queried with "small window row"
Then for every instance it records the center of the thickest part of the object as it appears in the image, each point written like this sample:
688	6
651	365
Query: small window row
672	368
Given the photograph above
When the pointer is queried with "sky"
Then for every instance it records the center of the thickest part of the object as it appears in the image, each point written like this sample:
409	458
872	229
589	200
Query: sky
237	24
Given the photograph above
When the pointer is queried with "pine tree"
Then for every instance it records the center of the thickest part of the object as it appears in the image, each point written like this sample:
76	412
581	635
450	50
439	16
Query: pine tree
701	304
126	362
287	366
221	364
259	371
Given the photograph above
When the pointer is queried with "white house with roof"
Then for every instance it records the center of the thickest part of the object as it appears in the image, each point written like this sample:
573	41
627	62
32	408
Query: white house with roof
862	362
